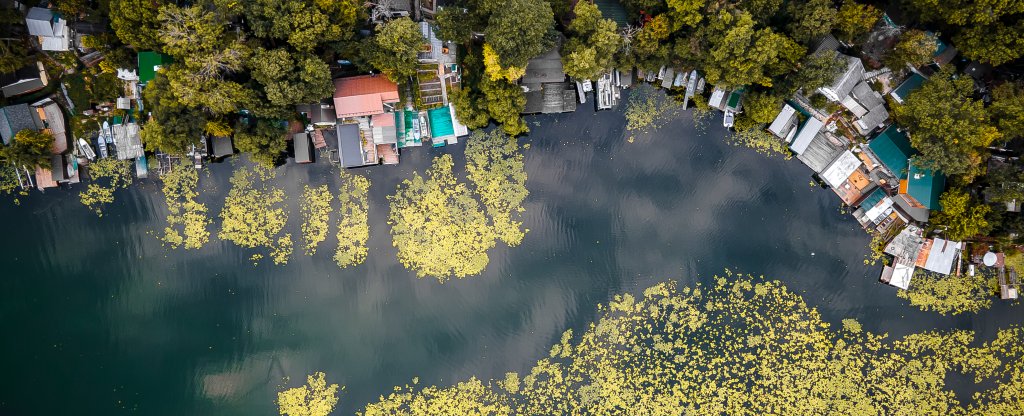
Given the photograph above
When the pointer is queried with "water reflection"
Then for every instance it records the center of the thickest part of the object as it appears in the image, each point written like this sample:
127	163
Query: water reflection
98	310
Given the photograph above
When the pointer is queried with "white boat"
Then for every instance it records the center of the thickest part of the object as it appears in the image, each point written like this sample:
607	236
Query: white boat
580	92
680	79
106	133
588	85
661	73
729	118
691	88
651	75
86	150
102	146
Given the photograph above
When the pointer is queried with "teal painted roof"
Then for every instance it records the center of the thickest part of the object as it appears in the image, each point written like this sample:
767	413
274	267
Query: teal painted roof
909	85
872	199
940	46
440	122
613	9
925	186
892	148
148	62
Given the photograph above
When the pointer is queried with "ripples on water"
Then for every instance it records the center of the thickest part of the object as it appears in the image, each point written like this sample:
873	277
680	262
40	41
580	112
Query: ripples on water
97	310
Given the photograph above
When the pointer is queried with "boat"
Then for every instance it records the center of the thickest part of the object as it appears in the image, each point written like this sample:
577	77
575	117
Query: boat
670	76
102	146
107	134
588	85
606	92
141	167
680	79
581	92
729	118
86	150
661	73
651	75
691	88
700	85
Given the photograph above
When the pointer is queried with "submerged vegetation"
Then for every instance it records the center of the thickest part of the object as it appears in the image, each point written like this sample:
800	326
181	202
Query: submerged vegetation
254	217
108	175
187	220
742	346
354	226
494	166
316	213
953	294
437	226
648	109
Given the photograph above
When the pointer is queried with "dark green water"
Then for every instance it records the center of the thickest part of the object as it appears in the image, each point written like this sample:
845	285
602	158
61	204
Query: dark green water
99	319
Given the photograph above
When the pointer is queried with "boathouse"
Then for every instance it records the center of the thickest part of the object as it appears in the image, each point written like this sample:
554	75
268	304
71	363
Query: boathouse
784	123
303	148
29	78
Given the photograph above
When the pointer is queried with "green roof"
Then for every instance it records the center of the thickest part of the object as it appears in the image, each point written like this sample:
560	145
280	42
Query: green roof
149	62
892	148
908	86
925	186
734	99
873	198
440	122
613	9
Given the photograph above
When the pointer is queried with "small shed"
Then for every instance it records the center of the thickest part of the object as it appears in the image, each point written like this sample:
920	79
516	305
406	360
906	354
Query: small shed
303	150
908	86
803	139
222	146
784	122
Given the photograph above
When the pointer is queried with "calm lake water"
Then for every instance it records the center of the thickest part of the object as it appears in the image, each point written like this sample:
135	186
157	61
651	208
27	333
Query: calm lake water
99	318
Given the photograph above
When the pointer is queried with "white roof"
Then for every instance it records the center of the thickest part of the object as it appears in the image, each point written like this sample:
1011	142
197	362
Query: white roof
901	275
39	22
716	98
460	129
881	209
127	74
59	42
841	169
782	121
942	255
807	133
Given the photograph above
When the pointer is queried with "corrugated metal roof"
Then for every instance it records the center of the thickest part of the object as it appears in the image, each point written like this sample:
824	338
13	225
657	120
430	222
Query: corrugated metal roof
942	255
303	152
363	95
349	146
892	148
840	169
803	139
783	121
926	186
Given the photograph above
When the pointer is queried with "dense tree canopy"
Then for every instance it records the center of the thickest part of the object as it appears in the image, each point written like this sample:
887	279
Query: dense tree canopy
263	139
393	48
816	71
173	127
947	125
136	23
811	19
854	20
302	24
519	30
28	148
740	54
1008	109
915	48
593	44
289	78
961	216
987	30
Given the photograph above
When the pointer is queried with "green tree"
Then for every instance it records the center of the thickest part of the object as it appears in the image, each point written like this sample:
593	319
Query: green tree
303	24
505	103
263	139
494	165
455	24
393	49
949	127
1007	109
742	55
438	227
519	30
316	398
686	13
987	30
855	20
593	44
135	22
13	56
811	19
649	49
816	71
761	10
288	78
470	108
961	216
28	148
915	48
761	107
173	127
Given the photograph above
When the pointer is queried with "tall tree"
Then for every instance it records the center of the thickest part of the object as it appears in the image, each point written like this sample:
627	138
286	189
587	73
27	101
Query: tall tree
173	128
288	78
28	148
263	139
855	20
816	71
136	23
303	24
1008	109
988	30
519	30
686	13
810	19
593	44
455	24
505	102
437	226
393	49
961	216
948	126
742	55
915	48
13	56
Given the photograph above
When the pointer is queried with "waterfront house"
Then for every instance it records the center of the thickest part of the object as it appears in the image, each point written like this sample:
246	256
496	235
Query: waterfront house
909	85
875	211
49	28
354	150
919	188
904	248
785	124
844	83
366	103
847	177
15	118
364	95
937	255
303	148
385	137
29	78
221	146
805	135
544	85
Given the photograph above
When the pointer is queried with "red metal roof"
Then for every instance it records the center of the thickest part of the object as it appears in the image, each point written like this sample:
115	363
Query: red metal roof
363	95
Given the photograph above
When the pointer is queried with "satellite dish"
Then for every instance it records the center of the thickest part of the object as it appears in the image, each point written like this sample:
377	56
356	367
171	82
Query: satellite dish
989	259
